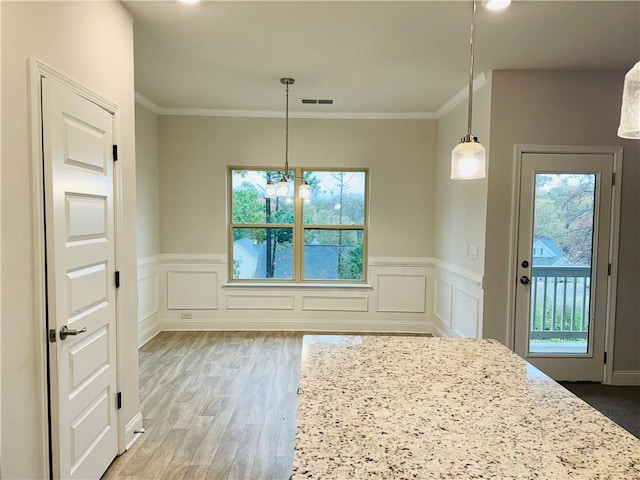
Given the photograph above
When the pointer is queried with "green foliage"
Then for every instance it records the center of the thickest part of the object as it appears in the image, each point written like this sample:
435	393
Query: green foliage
330	205
564	213
350	268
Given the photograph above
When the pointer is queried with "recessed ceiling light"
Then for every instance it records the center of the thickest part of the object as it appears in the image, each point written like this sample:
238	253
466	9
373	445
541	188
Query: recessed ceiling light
496	4
189	2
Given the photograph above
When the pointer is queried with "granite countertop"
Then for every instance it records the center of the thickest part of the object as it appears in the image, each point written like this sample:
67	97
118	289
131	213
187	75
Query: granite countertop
395	407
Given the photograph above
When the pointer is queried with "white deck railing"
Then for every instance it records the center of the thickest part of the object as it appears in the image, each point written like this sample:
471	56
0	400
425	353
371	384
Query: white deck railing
560	302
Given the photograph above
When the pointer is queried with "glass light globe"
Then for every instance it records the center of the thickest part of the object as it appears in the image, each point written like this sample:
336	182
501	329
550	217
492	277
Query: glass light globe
283	188
270	191
468	161
630	111
304	191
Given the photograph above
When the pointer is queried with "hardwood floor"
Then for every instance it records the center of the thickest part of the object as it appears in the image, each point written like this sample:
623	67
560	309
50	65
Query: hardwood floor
216	405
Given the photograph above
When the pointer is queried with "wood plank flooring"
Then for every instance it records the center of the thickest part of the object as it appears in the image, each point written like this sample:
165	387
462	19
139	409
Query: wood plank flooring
216	405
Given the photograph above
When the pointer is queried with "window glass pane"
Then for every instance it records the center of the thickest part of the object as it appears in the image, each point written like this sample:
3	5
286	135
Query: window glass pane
260	253
337	198
560	290
248	203
333	254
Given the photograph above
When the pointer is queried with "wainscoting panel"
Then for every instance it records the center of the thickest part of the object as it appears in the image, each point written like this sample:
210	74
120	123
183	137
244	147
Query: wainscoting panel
193	294
259	302
148	300
189	290
458	298
442	295
401	293
466	313
147	295
335	303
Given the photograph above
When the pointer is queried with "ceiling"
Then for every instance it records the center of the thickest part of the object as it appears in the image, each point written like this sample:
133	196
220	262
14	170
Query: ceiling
375	58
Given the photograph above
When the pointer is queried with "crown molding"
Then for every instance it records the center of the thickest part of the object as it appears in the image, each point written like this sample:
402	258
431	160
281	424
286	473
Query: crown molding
478	82
148	104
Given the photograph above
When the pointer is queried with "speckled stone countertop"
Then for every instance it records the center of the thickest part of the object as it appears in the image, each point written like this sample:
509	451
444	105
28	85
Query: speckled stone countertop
394	407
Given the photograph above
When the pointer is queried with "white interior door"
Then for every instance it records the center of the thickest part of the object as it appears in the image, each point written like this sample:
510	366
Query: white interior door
563	263
80	257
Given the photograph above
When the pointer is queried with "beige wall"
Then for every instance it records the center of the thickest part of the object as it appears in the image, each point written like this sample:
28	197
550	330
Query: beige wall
147	183
460	205
91	42
560	108
195	151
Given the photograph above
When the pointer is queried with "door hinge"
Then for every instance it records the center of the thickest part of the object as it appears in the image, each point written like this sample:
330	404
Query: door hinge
605	358
613	178
119	400
52	335
609	269
115	153
117	279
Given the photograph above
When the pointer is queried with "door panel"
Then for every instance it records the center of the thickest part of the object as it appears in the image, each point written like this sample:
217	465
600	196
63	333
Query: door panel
80	256
562	253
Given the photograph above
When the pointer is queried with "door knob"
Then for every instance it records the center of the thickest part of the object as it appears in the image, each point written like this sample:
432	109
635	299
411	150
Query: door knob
524	280
65	331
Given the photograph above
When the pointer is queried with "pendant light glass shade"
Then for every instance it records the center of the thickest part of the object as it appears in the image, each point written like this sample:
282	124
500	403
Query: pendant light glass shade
304	191
468	157
468	160
283	188
270	191
630	111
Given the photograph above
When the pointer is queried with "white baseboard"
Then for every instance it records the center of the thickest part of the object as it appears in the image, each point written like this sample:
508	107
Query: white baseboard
315	325
147	329
441	330
135	425
625	377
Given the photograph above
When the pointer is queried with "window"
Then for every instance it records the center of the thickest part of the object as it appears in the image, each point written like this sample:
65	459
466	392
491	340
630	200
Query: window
320	239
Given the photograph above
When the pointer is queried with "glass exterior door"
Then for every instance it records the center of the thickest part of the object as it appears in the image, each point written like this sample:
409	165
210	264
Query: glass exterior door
562	272
561	259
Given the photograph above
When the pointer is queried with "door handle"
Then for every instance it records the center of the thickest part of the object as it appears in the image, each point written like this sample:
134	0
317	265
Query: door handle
65	331
524	280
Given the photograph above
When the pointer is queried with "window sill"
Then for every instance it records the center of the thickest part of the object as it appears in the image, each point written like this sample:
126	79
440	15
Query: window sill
302	286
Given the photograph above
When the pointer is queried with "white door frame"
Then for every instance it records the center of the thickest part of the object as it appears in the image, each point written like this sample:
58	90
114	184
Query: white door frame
37	70
614	235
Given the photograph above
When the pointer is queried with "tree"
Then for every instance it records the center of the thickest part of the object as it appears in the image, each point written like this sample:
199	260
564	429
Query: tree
564	213
350	267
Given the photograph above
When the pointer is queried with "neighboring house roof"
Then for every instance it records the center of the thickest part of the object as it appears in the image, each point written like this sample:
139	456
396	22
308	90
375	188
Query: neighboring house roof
249	246
322	259
546	252
245	253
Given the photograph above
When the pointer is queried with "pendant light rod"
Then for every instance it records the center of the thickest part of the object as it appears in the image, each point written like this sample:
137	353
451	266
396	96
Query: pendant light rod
286	81
471	64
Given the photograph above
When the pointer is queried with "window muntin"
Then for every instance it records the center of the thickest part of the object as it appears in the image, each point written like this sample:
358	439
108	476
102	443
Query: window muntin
289	239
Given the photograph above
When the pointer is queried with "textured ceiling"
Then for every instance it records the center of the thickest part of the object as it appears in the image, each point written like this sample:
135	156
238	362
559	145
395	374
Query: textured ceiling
372	57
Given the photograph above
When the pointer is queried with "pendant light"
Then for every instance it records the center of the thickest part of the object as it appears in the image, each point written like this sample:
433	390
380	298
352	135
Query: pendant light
282	188
630	111
468	157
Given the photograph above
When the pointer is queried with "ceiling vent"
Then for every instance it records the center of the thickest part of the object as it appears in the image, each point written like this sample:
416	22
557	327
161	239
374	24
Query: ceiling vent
317	101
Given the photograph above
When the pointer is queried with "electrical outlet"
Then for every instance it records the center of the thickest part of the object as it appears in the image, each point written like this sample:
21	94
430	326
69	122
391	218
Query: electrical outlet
186	315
